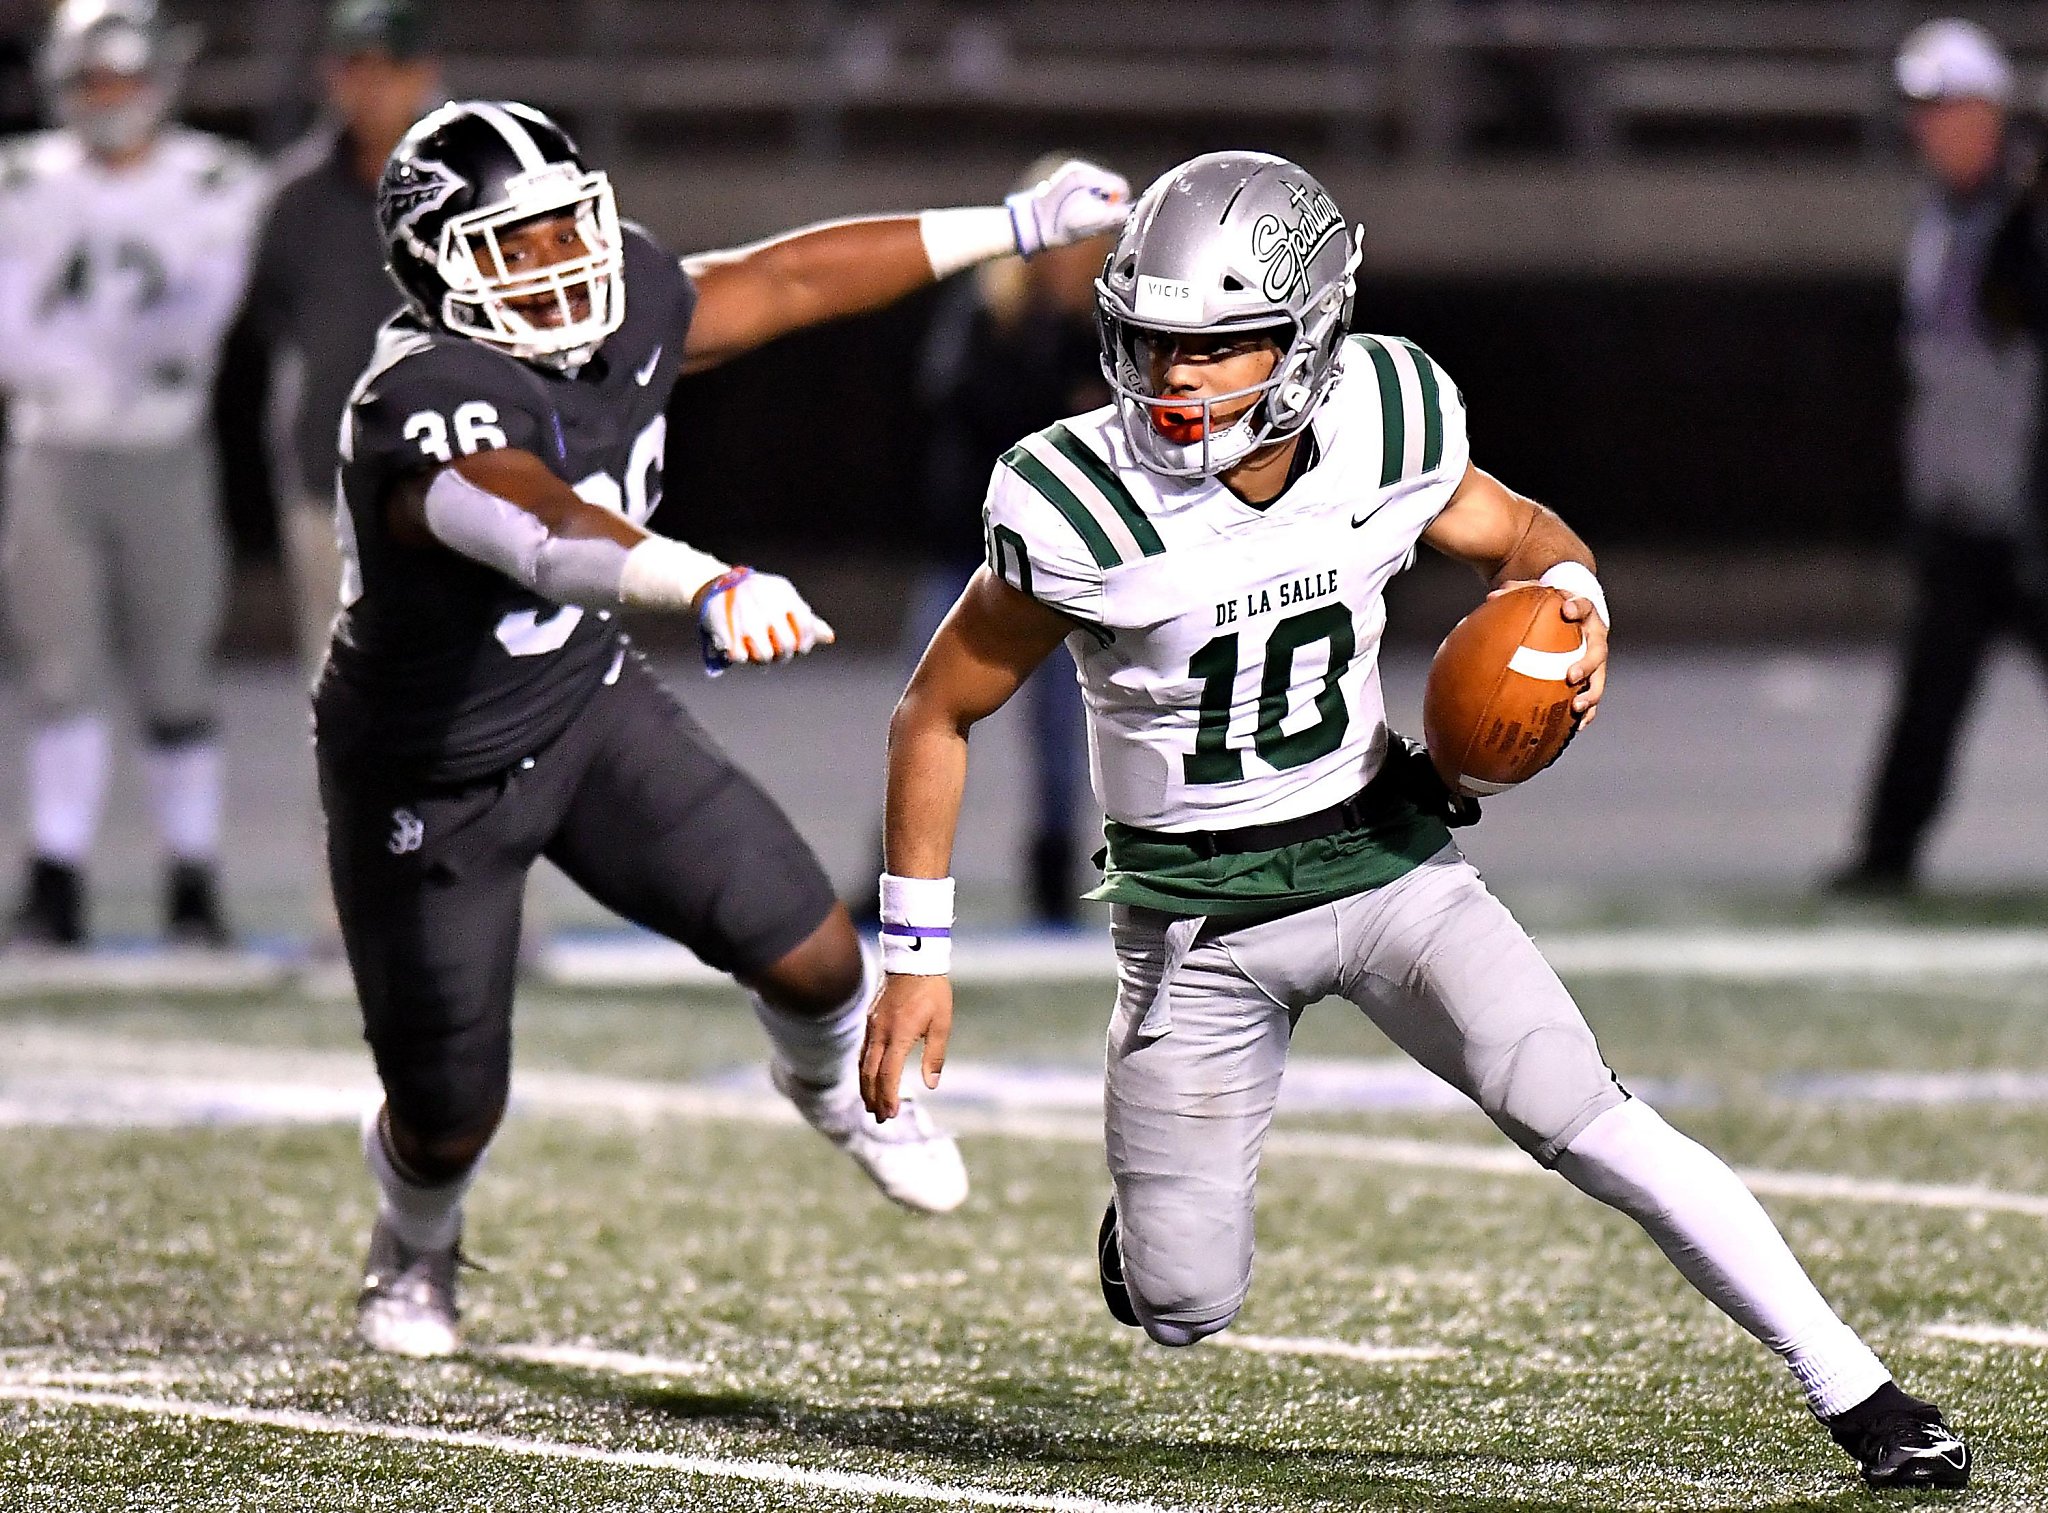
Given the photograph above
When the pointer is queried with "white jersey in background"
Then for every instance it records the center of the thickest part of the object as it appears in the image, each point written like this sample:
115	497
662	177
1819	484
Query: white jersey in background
116	288
1231	664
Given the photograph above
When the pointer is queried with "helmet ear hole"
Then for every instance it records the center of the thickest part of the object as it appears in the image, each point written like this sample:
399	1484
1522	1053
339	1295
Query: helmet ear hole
1233	284
1291	396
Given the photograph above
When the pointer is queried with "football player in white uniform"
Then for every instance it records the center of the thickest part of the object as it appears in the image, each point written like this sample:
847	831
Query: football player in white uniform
1212	548
123	246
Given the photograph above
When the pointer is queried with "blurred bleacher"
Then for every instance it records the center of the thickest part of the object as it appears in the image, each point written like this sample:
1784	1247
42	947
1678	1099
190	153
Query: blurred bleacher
1370	74
1644	233
1653	135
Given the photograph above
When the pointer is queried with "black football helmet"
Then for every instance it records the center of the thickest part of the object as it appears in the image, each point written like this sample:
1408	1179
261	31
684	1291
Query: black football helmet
466	173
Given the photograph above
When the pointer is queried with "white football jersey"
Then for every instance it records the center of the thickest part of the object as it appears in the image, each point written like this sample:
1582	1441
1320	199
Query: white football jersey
117	287
1230	655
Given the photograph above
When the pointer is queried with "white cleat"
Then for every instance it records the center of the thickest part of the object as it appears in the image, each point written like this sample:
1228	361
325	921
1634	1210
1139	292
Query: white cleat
910	1158
407	1305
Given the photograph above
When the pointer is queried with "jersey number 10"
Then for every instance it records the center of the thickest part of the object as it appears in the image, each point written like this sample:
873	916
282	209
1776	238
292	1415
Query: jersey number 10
1213	760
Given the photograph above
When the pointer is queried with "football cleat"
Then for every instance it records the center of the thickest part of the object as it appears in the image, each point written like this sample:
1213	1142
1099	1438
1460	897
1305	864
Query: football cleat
407	1305
52	910
1109	1267
192	911
910	1158
1899	1441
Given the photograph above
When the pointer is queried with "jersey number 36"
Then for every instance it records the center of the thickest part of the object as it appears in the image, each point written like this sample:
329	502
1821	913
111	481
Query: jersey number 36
527	632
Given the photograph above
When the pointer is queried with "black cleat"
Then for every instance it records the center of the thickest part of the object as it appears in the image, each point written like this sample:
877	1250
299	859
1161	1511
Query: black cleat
1899	1441
192	911
52	910
407	1303
1109	1265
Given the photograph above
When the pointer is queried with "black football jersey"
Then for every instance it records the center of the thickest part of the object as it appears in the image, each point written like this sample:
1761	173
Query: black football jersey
442	669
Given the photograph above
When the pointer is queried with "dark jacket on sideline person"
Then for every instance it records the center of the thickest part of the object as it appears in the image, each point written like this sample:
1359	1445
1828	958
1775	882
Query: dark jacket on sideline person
317	294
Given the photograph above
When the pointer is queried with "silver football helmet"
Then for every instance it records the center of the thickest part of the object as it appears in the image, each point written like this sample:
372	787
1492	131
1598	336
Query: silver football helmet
125	39
1227	242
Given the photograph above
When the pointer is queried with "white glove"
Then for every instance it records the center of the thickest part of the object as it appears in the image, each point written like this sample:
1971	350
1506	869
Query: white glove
1075	201
756	617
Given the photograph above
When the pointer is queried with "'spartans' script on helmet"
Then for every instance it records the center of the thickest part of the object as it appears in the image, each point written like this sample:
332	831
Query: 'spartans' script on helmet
1286	251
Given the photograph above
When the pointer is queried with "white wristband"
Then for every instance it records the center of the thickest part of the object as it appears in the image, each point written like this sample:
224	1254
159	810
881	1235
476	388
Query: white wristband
1576	579
956	239
917	925
662	573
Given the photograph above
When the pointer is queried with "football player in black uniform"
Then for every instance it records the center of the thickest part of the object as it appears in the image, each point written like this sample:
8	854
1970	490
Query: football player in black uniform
480	707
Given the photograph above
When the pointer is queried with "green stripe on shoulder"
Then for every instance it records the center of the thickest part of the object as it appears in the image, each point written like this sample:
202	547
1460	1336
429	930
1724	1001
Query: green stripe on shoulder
1393	422
1432	407
1103	476
1062	498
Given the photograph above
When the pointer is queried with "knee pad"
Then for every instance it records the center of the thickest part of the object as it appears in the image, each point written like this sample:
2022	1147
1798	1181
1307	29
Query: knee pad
1548	1086
443	1108
1179	1333
175	734
1184	1298
61	691
438	1159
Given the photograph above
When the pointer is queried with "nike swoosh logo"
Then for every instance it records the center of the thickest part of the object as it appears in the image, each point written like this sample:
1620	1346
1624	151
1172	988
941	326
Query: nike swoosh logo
1358	520
645	376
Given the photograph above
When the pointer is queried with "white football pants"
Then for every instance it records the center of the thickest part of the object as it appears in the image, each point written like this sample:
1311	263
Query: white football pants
1199	1038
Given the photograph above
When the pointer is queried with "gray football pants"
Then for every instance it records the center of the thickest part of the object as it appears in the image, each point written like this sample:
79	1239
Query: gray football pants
113	556
1434	959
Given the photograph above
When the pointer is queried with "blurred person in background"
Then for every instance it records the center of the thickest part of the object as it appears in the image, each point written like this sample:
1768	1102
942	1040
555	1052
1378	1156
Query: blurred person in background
124	242
319	292
1010	350
1970	422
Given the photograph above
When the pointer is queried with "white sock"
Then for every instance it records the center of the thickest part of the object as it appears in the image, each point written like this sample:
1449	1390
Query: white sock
184	788
424	1218
1719	1236
67	784
823	1051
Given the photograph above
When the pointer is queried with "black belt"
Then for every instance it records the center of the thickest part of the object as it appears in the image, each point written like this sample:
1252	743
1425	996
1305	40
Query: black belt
1354	813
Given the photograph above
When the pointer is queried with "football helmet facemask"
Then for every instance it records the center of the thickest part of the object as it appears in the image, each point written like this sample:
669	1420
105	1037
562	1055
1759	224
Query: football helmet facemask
466	179
1228	244
123	38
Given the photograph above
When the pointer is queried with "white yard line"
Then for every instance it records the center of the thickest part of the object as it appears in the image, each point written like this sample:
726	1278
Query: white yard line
1756	955
1991	1334
582	1358
761	1472
624	960
1762	955
1344	1350
102	1082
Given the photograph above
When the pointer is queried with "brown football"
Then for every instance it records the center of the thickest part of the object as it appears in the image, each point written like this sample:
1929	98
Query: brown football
1497	710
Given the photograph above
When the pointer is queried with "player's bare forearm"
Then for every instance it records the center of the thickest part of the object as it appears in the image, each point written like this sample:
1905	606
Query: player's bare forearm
1504	536
989	644
1512	541
927	775
751	295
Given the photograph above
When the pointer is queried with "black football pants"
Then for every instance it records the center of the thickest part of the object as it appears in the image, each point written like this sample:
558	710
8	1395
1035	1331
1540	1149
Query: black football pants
1972	590
633	801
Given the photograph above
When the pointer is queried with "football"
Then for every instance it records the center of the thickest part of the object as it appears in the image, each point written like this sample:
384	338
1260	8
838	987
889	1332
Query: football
1497	709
